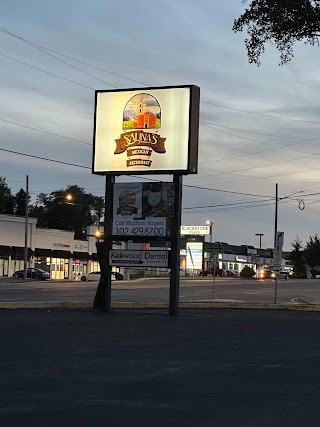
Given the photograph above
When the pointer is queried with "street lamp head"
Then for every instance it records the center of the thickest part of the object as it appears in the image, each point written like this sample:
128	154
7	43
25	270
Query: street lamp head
69	197
209	222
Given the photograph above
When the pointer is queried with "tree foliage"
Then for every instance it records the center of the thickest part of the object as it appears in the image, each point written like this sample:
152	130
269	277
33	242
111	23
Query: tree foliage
55	211
298	259
280	22
312	251
7	201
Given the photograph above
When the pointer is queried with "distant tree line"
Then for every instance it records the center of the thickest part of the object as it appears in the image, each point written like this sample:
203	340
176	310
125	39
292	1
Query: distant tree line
54	210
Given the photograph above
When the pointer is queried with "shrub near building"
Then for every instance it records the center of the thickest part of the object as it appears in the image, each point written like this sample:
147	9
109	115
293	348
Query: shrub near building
247	272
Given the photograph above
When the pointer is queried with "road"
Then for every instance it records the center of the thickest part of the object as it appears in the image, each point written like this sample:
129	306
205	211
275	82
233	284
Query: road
157	290
203	368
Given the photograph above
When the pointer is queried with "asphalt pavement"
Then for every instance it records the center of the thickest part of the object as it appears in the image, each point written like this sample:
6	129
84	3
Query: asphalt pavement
203	368
156	290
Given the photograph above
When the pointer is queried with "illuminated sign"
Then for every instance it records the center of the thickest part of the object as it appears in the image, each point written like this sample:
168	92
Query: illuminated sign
147	130
194	255
199	230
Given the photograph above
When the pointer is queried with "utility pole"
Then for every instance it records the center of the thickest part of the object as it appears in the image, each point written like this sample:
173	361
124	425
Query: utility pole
275	238
26	231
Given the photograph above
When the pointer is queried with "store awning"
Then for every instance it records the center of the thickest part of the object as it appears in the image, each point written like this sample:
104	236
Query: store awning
6	250
20	251
62	254
81	255
44	253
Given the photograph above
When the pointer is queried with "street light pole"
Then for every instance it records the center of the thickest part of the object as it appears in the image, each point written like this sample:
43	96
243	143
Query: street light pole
25	267
214	258
260	235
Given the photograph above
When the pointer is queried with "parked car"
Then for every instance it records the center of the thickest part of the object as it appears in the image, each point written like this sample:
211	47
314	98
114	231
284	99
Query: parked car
217	272
94	276
32	273
232	273
283	275
185	273
315	273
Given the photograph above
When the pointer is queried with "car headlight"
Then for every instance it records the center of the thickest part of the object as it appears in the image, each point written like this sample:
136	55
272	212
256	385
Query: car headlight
273	275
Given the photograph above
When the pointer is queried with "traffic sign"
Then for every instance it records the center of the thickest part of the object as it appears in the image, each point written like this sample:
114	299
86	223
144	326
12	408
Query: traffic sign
128	258
214	250
279	239
277	259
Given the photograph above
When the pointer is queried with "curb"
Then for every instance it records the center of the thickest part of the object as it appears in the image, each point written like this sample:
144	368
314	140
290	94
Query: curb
143	305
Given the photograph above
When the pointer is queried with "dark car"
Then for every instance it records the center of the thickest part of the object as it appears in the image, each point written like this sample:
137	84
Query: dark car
217	272
32	273
232	273
265	273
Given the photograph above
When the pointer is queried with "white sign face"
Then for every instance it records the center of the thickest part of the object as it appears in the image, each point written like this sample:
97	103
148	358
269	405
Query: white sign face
151	226
279	239
277	259
145	130
194	255
199	230
129	258
143	199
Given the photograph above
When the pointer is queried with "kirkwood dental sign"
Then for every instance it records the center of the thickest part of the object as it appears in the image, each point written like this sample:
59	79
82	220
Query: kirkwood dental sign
147	130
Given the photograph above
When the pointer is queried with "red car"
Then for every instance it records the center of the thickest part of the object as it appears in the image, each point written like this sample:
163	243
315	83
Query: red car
231	273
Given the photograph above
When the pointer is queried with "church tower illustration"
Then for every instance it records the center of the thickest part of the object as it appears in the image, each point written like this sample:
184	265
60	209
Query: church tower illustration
142	111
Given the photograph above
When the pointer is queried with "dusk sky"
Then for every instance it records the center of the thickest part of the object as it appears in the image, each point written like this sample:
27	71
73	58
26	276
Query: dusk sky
255	122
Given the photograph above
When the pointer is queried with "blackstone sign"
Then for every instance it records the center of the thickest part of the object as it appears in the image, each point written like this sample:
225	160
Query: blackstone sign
199	230
147	130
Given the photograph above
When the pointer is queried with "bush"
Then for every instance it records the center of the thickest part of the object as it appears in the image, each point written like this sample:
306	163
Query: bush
247	272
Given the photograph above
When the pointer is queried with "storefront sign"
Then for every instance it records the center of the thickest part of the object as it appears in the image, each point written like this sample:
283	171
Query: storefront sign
127	258
139	227
147	130
194	257
199	230
61	245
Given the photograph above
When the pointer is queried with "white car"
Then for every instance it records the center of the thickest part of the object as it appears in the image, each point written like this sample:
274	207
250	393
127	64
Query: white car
94	276
184	272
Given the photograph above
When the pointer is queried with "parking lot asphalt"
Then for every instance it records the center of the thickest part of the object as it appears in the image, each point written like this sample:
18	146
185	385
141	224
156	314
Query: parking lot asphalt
143	368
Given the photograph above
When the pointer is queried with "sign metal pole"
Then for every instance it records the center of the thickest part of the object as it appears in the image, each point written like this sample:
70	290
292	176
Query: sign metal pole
275	238
214	276
175	248
102	299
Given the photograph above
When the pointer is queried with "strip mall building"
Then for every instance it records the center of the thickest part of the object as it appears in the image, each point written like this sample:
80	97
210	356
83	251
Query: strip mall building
55	251
64	257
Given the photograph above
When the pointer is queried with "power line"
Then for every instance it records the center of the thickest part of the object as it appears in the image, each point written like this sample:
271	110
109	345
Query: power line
44	131
69	57
225	204
47	72
250	131
46	50
258	114
59	59
44	158
270	145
